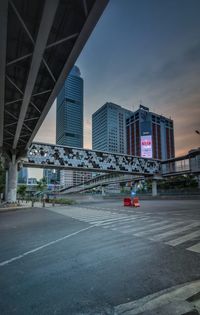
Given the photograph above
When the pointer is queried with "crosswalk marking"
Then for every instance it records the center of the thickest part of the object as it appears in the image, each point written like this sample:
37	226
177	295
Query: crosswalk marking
155	230
174	232
121	221
107	221
183	239
195	248
131	229
127	225
143	227
146	225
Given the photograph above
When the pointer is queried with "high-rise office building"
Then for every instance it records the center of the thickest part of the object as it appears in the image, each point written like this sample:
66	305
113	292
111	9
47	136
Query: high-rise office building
50	176
109	128
23	175
69	114
150	135
69	121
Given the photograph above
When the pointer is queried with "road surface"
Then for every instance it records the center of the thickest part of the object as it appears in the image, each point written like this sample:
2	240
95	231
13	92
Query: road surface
97	258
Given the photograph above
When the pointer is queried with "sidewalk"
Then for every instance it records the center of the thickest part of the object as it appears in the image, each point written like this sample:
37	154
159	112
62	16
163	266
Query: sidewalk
22	205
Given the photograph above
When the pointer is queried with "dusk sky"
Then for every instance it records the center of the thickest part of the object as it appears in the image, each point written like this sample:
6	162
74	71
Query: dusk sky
148	52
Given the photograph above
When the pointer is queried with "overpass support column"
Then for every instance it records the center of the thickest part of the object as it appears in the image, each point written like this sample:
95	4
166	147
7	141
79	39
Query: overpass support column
6	186
103	191
11	178
198	179
135	186
154	187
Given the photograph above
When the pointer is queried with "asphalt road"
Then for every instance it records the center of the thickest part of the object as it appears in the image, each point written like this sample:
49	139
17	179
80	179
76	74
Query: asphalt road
89	258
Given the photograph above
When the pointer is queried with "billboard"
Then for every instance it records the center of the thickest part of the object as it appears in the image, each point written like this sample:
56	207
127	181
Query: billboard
146	146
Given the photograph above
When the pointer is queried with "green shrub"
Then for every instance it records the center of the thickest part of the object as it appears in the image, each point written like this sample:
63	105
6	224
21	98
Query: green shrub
63	201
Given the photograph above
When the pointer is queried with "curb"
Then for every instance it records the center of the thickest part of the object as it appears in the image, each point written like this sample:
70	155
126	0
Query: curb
193	312
2	210
182	299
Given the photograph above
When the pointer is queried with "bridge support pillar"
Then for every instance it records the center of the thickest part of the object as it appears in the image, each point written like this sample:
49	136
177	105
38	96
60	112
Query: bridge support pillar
103	191
154	187
198	179
135	187
11	180
6	186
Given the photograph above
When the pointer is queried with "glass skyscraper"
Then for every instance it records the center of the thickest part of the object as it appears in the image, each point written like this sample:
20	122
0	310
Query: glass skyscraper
23	175
69	121
69	118
109	128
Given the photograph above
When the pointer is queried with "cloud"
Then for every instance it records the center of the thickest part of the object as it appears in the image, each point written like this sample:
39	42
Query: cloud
183	67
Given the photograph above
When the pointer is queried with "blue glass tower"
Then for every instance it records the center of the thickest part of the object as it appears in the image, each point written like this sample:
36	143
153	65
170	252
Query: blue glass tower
69	118
23	175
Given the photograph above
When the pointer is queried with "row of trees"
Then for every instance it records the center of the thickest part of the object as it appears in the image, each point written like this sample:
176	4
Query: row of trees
41	187
176	183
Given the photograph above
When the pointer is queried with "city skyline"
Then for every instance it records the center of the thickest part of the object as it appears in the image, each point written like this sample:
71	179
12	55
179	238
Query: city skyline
143	52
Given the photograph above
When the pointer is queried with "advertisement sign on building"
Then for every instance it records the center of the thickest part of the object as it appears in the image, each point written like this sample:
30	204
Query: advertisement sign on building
146	146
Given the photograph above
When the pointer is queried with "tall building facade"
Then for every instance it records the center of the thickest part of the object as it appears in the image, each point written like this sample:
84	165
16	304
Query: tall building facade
150	135
69	113
69	122
109	128
50	176
23	175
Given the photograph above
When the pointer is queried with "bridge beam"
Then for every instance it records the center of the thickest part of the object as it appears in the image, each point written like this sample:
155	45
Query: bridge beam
42	37
154	188
3	35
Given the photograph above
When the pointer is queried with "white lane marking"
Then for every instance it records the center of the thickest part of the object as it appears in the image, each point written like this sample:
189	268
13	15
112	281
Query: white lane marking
143	233
6	262
195	248
184	238
174	232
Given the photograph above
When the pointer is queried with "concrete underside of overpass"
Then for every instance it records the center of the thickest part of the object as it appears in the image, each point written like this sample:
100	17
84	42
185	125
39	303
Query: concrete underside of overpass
40	42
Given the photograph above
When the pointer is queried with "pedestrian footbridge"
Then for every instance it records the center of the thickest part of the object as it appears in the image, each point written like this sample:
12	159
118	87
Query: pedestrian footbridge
62	157
101	181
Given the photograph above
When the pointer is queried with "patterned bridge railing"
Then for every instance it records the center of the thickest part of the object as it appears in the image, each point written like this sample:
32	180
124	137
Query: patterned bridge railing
62	157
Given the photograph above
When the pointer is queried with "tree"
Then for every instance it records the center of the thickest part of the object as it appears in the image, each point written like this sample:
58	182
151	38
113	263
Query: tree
21	190
41	185
122	187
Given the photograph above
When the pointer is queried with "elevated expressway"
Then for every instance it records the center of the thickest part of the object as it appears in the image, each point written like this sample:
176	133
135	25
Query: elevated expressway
40	42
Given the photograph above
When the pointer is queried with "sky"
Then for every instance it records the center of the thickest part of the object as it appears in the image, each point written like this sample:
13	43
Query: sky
143	52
